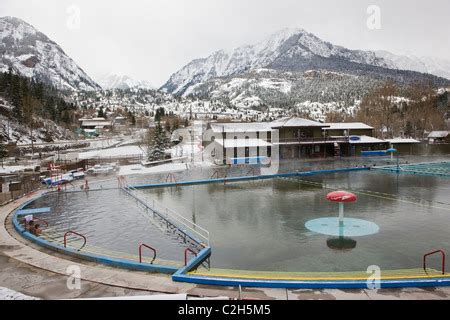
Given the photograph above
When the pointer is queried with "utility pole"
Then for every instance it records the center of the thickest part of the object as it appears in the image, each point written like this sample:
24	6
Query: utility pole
192	143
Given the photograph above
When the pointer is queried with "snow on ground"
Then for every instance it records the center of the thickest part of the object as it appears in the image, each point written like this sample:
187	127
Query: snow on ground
8	294
318	110
12	169
139	169
276	84
103	143
112	152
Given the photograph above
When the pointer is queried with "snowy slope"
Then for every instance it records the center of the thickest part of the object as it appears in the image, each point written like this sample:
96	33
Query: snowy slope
114	81
438	67
32	54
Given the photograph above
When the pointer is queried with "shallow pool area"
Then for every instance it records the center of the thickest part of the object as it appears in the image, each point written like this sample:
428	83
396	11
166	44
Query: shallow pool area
110	221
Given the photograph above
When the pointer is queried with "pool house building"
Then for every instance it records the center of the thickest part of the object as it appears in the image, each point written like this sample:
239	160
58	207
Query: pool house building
294	138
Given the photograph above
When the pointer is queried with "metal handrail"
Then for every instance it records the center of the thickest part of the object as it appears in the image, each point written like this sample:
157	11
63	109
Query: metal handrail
75	233
177	217
152	204
148	247
171	178
314	139
41	220
216	175
431	253
186	253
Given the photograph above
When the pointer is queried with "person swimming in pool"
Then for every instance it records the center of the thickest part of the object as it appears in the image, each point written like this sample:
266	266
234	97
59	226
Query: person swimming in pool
27	220
29	225
36	229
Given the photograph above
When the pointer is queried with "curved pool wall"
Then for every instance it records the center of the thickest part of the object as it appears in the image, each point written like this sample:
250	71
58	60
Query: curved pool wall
183	274
114	262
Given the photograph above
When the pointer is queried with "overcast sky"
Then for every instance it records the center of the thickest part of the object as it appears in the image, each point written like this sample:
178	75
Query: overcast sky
151	39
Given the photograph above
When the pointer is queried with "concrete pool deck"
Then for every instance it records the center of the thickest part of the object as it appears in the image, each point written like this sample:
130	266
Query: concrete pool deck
32	270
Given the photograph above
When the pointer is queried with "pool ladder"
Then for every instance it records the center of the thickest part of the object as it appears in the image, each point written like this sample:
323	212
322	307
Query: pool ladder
148	247
77	234
432	253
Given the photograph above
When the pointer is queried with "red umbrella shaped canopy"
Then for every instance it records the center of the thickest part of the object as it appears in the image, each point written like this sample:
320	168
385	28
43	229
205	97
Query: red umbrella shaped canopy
341	196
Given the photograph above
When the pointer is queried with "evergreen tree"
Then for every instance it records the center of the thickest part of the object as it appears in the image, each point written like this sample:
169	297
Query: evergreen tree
167	125
3	152
160	112
100	113
157	143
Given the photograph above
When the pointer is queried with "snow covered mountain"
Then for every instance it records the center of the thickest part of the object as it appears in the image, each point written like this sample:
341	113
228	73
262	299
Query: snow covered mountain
114	81
438	67
290	50
32	54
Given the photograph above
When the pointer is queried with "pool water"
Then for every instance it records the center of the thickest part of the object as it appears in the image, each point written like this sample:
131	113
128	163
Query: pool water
111	220
260	225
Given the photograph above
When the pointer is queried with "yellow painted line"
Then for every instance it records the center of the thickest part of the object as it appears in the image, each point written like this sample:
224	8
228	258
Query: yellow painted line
108	253
238	276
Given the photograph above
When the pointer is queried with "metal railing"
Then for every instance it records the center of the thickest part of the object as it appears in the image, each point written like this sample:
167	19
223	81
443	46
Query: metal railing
77	234
186	251
313	139
432	253
41	221
171	178
174	218
148	247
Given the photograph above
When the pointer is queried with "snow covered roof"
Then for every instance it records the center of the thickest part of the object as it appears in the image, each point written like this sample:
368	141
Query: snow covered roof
241	127
96	123
367	139
402	140
242	143
347	126
296	122
439	134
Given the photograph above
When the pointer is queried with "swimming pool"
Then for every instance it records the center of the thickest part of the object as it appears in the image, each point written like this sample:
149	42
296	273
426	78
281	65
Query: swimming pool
260	225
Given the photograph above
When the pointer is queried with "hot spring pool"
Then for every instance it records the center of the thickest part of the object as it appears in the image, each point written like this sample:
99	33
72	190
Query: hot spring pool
260	225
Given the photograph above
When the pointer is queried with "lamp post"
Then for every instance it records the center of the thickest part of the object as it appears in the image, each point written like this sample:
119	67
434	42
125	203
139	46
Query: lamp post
191	131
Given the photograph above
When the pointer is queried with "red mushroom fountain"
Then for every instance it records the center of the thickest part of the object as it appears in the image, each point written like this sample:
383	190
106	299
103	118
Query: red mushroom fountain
341	197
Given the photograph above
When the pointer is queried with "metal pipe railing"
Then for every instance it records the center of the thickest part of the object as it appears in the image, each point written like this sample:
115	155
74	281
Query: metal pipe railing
77	234
170	215
186	251
171	178
432	253
148	247
41	220
313	139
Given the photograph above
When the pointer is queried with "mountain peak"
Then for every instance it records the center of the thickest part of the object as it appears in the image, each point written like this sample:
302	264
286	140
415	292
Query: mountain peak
291	49
14	20
32	54
115	81
286	33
